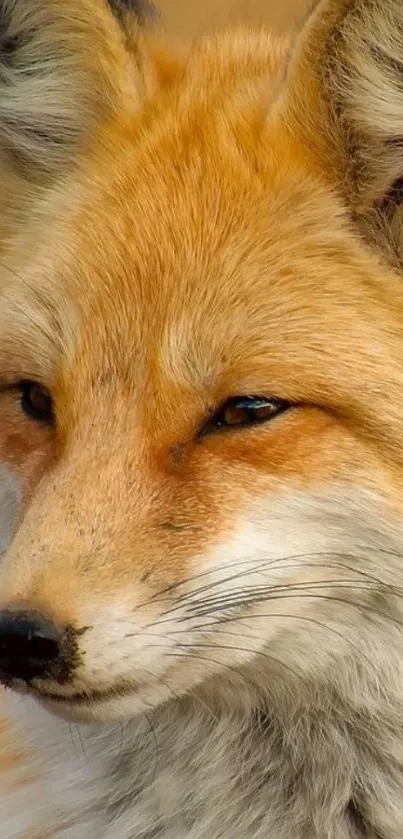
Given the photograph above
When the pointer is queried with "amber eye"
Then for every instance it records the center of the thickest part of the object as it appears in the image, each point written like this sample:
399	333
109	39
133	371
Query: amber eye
245	410
36	402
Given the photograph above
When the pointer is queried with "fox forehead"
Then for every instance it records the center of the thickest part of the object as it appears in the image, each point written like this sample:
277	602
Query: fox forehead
190	267
179	254
184	246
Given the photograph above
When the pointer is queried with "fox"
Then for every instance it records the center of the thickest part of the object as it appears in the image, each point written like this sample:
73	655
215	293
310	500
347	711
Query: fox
201	425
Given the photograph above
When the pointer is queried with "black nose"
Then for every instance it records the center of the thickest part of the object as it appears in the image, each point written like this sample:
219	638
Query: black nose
30	646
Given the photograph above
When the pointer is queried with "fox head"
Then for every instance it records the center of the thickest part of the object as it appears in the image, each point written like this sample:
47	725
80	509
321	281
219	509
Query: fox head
201	358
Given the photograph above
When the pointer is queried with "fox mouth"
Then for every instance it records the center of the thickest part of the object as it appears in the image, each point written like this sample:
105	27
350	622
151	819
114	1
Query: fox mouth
80	698
87	697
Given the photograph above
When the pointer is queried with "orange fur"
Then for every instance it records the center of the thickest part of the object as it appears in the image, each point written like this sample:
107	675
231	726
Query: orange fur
208	240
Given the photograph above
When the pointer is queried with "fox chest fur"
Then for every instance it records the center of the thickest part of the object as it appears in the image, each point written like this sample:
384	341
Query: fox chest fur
184	774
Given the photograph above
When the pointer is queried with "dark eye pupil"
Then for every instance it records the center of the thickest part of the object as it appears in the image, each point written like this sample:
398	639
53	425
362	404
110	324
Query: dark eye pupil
36	402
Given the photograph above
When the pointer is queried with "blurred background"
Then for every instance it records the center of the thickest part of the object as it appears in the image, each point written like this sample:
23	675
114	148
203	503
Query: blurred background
188	18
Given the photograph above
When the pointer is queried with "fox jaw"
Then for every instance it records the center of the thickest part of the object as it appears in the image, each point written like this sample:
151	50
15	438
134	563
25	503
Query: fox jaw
201	375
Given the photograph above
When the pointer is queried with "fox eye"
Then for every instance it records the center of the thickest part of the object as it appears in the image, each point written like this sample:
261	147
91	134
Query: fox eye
245	410
36	402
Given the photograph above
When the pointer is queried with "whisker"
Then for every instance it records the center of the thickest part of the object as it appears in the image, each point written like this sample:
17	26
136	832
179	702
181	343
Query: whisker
249	595
122	734
361	606
156	747
209	628
170	688
258	563
196	647
81	742
74	727
73	742
184	648
302	584
237	673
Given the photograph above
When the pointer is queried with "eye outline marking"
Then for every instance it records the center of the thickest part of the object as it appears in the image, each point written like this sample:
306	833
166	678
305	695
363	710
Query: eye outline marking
213	425
21	387
45	417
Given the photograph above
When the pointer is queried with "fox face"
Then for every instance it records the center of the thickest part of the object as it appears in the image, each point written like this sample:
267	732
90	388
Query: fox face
200	363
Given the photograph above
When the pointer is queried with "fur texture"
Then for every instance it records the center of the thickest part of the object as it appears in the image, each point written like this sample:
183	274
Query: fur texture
176	233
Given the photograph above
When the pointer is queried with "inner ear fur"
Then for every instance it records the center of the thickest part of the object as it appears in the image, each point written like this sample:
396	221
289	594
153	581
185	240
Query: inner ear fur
345	99
63	65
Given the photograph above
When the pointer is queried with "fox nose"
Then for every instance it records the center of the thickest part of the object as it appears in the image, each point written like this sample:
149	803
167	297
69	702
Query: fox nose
30	646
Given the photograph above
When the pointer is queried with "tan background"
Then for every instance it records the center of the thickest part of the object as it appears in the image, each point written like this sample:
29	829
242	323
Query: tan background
187	18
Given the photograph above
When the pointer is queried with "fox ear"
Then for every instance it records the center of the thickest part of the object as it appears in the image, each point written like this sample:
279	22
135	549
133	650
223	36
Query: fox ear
345	96
133	10
63	63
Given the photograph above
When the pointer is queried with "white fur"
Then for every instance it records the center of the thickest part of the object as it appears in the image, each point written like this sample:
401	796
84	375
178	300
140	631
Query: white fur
271	734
